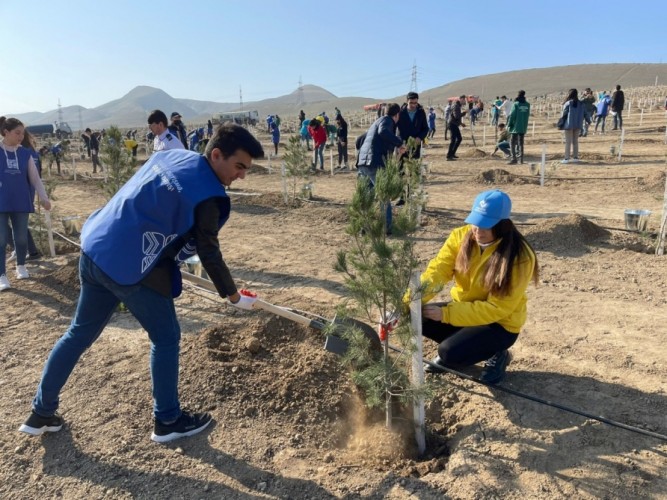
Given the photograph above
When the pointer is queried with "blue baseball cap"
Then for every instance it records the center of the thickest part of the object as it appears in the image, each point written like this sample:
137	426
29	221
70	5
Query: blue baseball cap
489	208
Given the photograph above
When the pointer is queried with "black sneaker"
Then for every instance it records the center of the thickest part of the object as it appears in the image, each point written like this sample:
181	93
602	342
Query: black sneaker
188	424
494	367
512	162
36	425
400	202
34	256
434	366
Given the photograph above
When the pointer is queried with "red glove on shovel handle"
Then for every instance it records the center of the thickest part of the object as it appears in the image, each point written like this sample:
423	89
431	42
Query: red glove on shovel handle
246	301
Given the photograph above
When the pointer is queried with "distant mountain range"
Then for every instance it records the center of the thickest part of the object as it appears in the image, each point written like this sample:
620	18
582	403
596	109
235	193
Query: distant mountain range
132	109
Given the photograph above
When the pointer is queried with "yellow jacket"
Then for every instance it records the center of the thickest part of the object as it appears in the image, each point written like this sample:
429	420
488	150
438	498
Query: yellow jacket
473	305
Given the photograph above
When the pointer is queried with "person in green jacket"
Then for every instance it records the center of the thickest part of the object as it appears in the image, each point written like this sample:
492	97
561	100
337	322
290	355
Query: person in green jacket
517	124
492	265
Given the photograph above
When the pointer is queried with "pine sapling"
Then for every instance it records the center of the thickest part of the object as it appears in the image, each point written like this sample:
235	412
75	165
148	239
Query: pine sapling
377	272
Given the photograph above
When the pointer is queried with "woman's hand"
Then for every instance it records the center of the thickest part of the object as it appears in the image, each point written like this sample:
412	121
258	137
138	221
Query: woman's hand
46	204
432	312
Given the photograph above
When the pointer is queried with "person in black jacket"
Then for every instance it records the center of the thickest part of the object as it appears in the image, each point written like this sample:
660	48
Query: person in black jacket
341	141
178	129
454	123
617	103
380	142
412	122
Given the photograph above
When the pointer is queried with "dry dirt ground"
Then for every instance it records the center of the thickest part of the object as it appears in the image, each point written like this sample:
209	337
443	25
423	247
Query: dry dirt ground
289	423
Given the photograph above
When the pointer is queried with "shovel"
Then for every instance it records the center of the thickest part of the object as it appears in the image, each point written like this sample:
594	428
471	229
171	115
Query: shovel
334	342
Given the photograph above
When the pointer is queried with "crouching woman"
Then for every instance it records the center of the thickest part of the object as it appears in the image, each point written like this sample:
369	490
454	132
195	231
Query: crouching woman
492	265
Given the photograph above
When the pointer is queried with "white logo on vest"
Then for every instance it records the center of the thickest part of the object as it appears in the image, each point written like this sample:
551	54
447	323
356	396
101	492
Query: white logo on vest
152	246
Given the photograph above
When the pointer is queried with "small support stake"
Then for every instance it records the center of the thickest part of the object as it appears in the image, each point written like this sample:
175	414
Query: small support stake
417	373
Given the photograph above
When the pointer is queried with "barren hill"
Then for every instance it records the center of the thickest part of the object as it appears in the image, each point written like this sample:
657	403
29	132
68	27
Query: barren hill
132	109
540	81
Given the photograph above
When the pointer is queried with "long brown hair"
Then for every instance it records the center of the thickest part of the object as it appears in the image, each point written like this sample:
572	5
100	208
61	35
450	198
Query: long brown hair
498	273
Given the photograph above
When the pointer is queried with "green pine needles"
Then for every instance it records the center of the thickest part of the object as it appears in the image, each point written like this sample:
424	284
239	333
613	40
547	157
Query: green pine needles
297	169
118	162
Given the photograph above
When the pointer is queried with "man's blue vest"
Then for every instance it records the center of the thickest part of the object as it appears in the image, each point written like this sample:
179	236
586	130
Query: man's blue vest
126	237
15	188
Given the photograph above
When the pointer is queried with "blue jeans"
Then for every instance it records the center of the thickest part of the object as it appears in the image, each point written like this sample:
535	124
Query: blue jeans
369	173
98	299
504	146
319	152
20	227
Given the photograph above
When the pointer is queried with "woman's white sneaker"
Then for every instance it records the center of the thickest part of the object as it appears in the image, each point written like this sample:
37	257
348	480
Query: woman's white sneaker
22	273
4	283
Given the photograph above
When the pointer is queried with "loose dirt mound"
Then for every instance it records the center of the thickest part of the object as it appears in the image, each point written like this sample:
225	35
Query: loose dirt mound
256	169
572	233
654	181
313	395
500	176
474	153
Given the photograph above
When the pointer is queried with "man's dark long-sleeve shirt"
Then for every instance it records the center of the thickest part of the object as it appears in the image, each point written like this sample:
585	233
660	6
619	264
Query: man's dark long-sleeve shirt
205	234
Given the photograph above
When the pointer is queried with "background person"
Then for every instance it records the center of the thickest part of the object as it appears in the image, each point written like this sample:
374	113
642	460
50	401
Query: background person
341	141
602	111
178	204
503	141
19	180
492	265
454	124
317	131
177	128
379	142
573	113
518	125
617	105
431	123
275	137
163	138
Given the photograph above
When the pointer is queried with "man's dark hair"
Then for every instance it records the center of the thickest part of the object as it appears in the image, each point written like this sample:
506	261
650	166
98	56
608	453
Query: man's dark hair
522	93
393	109
229	138
412	95
618	87
157	116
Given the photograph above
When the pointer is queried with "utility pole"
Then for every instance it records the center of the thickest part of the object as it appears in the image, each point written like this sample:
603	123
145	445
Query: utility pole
60	112
241	97
300	93
413	83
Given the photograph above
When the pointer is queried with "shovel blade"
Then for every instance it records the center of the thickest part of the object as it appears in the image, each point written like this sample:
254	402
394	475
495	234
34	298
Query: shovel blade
338	345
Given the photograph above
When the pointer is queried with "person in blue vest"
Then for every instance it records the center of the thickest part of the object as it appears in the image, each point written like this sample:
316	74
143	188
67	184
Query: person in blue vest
28	142
602	109
170	210
19	180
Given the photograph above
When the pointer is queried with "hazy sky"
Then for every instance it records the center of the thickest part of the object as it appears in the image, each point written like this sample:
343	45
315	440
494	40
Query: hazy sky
90	52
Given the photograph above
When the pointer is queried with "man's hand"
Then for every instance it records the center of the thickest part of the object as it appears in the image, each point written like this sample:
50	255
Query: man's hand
245	299
46	204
